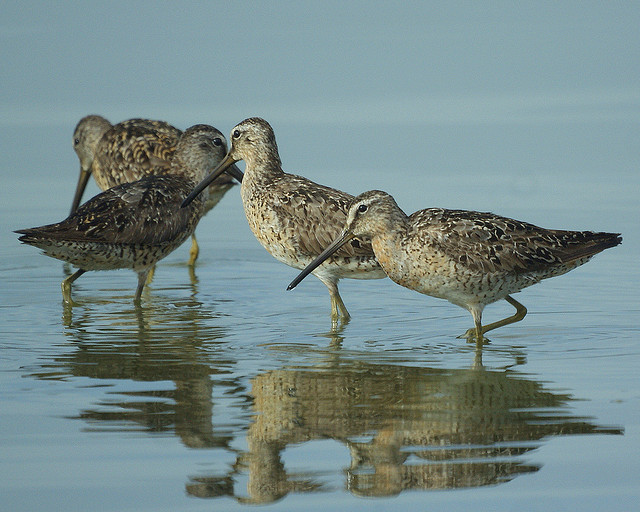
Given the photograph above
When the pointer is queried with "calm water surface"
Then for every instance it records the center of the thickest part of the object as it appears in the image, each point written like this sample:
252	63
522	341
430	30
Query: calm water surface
224	390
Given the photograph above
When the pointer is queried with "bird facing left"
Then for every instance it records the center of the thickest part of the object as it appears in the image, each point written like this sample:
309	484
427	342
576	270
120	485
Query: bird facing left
134	225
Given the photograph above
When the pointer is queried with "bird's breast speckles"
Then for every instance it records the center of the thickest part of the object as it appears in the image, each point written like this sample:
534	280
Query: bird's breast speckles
387	257
295	220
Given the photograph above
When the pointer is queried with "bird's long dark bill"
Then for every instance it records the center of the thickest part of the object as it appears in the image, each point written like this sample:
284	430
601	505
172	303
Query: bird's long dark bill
82	184
235	172
335	245
228	165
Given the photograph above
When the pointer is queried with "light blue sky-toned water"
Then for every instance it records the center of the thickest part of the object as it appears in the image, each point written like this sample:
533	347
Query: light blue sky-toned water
226	390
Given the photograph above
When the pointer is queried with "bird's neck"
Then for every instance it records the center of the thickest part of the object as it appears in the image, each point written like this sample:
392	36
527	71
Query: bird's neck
387	239
263	168
192	174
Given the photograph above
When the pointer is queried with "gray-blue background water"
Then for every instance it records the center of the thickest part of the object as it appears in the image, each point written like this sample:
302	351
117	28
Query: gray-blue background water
224	389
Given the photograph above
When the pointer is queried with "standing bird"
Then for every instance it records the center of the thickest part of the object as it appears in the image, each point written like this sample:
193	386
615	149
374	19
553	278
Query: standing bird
468	258
134	225
129	151
292	217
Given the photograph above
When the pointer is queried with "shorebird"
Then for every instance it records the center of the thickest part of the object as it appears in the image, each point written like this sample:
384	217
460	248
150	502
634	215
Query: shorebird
134	225
469	258
292	217
129	151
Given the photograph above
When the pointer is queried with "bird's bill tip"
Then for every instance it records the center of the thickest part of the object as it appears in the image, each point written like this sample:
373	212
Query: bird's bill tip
235	172
333	247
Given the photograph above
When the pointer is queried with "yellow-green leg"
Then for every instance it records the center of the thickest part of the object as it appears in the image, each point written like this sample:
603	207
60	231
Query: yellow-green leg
194	252
338	309
479	330
142	280
520	313
66	285
150	274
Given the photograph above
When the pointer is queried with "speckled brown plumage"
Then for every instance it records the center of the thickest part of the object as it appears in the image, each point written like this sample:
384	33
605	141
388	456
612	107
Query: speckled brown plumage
468	258
292	217
134	225
129	151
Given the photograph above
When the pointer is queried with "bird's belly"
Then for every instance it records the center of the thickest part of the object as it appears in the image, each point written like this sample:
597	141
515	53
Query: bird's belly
103	256
438	276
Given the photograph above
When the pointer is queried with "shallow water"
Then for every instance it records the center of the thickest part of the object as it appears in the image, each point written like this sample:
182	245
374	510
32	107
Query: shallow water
224	390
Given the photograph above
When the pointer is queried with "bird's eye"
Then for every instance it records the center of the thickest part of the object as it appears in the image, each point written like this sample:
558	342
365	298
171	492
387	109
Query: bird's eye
76	141
236	134
217	141
362	208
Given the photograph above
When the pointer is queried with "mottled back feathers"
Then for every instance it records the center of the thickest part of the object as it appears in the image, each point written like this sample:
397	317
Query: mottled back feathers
320	214
127	151
144	212
133	149
486	242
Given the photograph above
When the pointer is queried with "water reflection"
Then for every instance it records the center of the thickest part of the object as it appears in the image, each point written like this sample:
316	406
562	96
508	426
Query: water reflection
165	368
405	428
174	353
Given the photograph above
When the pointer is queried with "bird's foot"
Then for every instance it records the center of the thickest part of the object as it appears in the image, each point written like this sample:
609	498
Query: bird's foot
471	336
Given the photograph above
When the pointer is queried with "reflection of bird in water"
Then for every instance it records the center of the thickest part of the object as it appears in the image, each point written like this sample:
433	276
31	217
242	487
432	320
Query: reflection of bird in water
293	218
407	428
469	258
176	349
129	151
136	224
